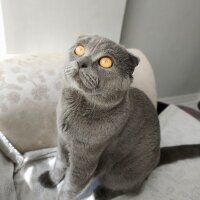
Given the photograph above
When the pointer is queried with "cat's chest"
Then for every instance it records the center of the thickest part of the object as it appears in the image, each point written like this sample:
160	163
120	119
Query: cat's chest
87	126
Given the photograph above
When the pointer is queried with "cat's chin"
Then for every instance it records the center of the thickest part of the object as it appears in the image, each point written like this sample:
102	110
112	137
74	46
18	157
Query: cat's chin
77	78
82	88
79	84
75	82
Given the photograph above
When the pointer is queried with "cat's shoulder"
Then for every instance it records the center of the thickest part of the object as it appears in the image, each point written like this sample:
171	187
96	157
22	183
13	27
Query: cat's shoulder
139	99
137	94
142	108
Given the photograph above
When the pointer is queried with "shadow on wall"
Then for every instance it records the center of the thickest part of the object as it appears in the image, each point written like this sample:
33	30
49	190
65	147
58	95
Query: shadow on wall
168	33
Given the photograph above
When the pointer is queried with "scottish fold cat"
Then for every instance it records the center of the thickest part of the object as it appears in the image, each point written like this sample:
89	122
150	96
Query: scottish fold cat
107	130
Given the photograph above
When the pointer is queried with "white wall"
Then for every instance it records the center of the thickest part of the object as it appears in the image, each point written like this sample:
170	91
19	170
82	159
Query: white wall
52	25
2	34
168	32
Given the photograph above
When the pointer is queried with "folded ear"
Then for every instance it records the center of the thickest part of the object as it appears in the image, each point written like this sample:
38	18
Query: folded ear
134	60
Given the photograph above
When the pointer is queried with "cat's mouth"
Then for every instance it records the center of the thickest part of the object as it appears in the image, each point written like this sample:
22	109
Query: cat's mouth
79	80
85	81
77	77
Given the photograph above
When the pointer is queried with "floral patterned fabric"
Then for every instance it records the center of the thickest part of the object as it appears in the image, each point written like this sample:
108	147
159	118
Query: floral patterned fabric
29	90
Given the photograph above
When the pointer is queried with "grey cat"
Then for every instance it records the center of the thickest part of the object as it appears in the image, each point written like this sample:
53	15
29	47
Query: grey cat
107	130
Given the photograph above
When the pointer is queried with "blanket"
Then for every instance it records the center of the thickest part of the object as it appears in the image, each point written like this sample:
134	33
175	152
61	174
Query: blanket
180	180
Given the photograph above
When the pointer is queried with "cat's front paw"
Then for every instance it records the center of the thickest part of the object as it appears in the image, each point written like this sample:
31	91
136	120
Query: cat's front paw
46	181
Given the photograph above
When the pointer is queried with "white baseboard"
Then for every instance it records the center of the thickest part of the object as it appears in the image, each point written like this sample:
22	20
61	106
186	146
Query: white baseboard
189	100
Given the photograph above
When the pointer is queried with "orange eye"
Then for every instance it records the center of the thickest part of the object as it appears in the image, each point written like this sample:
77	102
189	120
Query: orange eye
105	62
79	50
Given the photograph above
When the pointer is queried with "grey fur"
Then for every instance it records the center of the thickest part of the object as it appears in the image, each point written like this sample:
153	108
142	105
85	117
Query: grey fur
106	129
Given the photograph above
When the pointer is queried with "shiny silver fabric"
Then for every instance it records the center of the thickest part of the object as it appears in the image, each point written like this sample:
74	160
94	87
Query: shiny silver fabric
9	151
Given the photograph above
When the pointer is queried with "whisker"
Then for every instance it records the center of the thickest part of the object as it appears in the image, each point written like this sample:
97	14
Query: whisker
70	71
91	79
66	70
69	66
88	81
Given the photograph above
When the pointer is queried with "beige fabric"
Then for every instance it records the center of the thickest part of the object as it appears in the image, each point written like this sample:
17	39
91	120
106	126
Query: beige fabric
144	77
29	89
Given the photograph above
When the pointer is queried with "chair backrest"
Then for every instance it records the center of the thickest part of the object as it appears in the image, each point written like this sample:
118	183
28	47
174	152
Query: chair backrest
29	91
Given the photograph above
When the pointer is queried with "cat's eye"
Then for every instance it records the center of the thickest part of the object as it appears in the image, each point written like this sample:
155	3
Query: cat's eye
79	50
105	62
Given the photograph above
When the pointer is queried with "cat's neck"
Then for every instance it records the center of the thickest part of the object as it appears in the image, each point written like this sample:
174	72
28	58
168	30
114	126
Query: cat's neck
95	101
106	101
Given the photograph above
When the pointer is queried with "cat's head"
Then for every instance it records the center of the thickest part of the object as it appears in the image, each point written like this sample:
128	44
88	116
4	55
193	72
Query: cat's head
99	65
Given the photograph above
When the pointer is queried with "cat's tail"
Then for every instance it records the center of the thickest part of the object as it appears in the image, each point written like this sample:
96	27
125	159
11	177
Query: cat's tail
175	153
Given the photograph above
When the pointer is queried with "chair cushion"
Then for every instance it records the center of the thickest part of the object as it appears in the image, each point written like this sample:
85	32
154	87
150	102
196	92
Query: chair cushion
29	90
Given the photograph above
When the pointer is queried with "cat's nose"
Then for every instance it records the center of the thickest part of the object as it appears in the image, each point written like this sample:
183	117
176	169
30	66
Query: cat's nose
83	62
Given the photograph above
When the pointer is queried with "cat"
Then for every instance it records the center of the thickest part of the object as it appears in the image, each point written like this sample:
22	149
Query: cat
106	129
